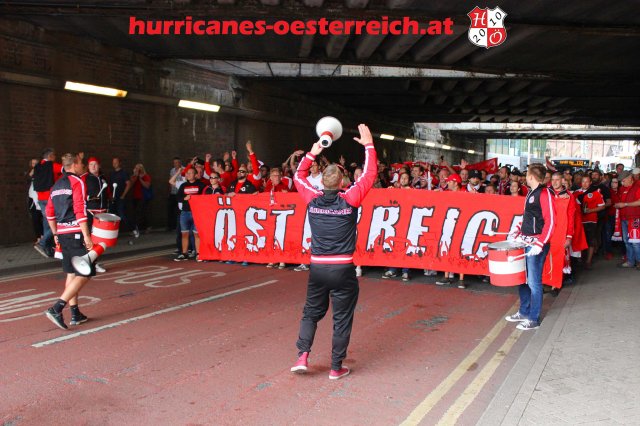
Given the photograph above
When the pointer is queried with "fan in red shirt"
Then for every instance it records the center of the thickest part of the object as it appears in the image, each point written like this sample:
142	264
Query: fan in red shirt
591	203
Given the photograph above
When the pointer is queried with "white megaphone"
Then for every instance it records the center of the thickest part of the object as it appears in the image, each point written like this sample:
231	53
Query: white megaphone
82	264
328	129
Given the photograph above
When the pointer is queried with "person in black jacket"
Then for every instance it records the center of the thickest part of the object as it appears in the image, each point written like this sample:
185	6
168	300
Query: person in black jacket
332	217
191	187
66	215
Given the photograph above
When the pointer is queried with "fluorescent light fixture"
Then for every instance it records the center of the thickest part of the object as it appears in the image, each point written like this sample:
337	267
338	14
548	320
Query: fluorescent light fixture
199	105
471	151
96	90
431	144
385	136
409	140
446	147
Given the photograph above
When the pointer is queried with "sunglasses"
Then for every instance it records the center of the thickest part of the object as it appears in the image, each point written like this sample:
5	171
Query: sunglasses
242	171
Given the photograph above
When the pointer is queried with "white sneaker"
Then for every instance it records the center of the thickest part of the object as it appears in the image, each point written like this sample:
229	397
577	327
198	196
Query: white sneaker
405	276
282	265
358	271
301	267
430	273
517	317
388	275
135	233
100	269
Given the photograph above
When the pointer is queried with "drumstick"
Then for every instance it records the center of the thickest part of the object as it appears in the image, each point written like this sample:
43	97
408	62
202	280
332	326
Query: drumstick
104	185
514	258
493	233
115	185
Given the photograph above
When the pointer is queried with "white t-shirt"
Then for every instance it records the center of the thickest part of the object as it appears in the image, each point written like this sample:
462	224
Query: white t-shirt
316	182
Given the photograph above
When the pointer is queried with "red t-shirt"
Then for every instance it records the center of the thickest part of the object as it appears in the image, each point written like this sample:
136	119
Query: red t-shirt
137	186
633	194
590	201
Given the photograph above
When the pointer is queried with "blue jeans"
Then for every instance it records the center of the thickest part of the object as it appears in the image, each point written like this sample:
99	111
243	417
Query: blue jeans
394	270
47	237
633	249
531	292
119	207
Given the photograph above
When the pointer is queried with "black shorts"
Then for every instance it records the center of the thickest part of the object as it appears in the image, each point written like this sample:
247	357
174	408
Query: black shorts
73	245
591	233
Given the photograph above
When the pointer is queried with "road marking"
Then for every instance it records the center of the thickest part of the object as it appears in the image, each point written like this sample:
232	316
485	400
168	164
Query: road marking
469	394
149	315
461	369
56	268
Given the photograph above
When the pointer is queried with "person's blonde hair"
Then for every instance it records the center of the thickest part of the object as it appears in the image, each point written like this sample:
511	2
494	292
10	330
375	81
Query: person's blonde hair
141	167
332	177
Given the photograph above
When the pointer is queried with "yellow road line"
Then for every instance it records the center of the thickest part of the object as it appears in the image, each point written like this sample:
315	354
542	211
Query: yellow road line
469	394
445	386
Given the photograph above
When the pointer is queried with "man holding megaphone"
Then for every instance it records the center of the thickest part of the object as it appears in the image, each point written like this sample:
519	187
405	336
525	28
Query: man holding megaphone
66	214
333	216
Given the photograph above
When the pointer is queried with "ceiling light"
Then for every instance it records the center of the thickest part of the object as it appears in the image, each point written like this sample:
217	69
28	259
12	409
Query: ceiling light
385	136
199	105
446	147
431	144
96	90
408	140
471	151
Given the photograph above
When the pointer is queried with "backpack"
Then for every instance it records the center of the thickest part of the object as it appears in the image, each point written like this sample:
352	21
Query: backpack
43	176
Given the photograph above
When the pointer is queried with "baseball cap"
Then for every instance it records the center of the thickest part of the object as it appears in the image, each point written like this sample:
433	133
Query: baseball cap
636	171
92	159
454	177
623	175
475	174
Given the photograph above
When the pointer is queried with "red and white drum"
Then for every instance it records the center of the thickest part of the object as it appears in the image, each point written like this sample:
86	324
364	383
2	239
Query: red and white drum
507	266
105	229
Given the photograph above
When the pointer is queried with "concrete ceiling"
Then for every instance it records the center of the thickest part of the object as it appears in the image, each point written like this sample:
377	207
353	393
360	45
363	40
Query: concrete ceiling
570	62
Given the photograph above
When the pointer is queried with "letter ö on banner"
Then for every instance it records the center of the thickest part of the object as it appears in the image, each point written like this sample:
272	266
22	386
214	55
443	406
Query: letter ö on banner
254	227
416	229
281	226
383	219
225	221
491	222
448	228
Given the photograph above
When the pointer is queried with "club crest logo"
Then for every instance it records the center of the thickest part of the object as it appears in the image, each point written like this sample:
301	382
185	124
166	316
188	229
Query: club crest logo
487	27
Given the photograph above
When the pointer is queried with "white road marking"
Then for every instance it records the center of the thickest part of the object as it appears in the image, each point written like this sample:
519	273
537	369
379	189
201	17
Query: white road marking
149	315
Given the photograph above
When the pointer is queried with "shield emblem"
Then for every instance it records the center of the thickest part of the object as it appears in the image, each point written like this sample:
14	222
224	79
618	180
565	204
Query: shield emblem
487	27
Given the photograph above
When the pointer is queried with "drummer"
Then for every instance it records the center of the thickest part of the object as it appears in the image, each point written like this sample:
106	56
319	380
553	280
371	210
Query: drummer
97	195
537	227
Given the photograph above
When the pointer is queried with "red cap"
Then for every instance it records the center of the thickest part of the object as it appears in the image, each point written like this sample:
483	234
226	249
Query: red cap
93	159
454	177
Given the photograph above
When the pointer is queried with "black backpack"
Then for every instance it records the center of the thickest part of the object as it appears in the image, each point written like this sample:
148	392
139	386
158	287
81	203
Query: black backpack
43	176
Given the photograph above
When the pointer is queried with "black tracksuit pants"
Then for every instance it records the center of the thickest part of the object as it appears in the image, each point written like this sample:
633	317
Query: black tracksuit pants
339	283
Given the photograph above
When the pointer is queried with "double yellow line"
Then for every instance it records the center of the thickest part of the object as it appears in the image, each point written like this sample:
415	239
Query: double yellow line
471	391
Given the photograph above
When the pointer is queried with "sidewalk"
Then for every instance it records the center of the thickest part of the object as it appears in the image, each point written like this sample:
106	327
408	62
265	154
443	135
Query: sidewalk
583	364
23	257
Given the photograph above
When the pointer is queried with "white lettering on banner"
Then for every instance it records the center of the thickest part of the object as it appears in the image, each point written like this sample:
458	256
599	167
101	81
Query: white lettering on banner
516	223
156	276
29	302
417	229
448	227
491	222
306	235
254	227
281	226
225	222
383	220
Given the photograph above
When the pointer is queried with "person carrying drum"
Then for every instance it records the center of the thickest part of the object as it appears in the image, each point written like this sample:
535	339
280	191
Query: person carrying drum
535	231
333	216
97	195
66	214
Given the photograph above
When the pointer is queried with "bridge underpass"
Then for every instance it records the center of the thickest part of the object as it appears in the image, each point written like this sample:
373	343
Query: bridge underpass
425	354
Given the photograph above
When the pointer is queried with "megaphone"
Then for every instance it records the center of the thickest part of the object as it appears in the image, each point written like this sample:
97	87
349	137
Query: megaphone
82	264
328	130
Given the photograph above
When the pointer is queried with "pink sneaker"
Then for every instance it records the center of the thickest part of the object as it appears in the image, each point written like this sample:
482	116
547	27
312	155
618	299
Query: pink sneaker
300	366
339	374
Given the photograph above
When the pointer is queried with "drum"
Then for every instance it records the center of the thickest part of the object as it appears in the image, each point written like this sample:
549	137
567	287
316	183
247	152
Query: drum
105	229
507	266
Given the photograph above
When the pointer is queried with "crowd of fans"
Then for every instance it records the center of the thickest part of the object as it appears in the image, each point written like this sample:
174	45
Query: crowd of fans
605	207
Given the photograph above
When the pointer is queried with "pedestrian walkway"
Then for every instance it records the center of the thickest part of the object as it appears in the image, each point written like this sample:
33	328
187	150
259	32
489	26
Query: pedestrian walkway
582	365
23	257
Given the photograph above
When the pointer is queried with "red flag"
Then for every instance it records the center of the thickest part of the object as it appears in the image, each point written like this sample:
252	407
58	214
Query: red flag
490	166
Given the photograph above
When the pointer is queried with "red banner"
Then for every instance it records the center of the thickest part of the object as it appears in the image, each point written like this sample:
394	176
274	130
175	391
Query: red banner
444	231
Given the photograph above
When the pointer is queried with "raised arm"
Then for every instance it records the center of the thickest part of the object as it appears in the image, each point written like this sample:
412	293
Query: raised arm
303	186
361	187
